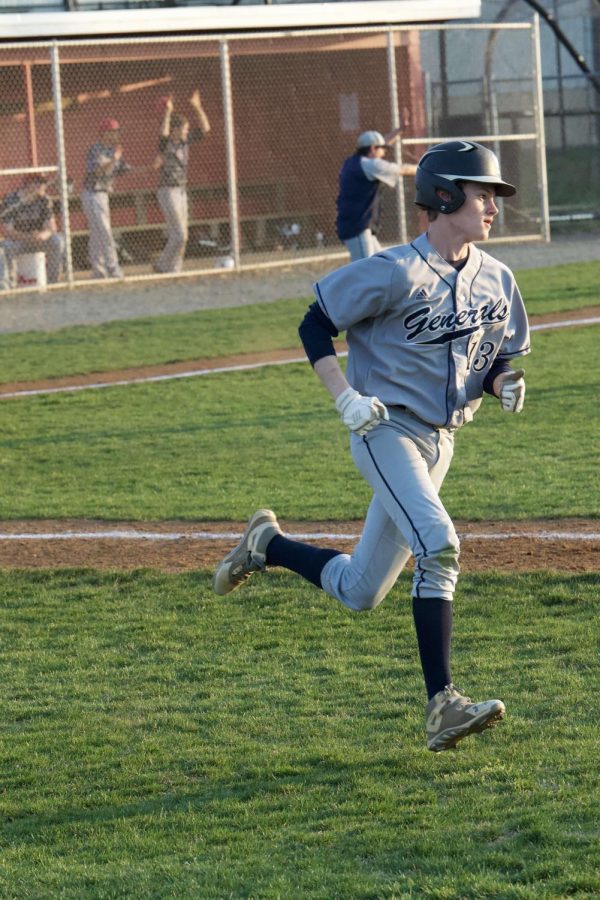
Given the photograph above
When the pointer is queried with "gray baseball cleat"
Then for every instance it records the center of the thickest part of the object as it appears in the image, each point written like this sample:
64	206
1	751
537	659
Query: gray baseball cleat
250	554
450	717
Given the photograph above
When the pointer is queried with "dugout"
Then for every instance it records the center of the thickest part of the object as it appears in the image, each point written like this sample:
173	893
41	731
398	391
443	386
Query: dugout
285	108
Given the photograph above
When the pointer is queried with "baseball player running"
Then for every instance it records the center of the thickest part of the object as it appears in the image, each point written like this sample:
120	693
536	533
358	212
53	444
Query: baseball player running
359	199
431	326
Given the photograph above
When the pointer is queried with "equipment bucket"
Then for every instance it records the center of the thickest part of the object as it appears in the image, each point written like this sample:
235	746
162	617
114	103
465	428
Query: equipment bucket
31	270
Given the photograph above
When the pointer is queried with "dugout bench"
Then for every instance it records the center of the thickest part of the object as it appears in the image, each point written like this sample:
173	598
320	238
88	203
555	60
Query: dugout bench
139	227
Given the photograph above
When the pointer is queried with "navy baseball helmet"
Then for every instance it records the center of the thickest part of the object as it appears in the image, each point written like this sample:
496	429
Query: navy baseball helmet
445	164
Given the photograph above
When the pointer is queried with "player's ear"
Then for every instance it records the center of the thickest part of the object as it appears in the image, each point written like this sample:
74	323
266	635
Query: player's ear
443	195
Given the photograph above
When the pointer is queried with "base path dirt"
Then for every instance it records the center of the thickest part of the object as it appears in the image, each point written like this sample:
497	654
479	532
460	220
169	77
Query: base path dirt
568	545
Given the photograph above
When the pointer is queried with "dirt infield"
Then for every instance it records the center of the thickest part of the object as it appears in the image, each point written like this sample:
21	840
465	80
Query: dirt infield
568	545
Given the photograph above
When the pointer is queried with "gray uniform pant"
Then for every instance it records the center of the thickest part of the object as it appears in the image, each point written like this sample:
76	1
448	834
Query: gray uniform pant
173	202
363	245
102	250
53	248
405	462
4	279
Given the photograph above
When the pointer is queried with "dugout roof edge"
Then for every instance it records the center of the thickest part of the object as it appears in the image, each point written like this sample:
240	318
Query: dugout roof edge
217	18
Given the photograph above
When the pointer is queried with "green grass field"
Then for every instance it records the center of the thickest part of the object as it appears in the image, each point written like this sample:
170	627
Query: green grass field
211	333
158	742
220	446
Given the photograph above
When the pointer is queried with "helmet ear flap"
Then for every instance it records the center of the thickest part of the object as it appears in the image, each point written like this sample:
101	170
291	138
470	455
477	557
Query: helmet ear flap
427	186
457	197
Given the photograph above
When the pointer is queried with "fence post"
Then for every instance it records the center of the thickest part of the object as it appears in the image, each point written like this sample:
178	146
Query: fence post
232	185
61	158
538	102
492	124
395	113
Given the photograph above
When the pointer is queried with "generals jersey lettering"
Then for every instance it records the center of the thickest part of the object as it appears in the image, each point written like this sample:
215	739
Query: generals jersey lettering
422	335
450	325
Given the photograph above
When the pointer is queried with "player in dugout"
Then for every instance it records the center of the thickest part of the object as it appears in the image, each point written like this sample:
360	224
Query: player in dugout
430	325
172	163
104	162
28	223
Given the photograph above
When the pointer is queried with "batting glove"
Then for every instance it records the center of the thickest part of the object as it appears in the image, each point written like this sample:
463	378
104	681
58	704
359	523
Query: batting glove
512	391
360	414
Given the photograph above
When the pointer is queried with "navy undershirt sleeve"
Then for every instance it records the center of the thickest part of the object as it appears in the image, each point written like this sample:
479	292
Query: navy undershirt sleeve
316	333
498	367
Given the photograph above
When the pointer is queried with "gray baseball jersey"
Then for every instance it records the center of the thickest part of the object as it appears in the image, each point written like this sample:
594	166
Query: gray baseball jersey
421	334
381	170
95	178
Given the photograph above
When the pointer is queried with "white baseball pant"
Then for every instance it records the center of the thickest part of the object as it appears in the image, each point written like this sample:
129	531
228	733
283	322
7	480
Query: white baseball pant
405	461
173	202
102	250
363	245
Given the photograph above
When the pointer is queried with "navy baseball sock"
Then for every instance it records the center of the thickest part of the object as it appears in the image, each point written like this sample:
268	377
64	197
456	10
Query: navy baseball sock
433	623
301	558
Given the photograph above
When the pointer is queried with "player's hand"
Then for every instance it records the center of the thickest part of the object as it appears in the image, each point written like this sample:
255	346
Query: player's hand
512	390
393	136
360	414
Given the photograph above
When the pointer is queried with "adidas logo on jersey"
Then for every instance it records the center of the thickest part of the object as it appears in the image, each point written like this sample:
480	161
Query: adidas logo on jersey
422	294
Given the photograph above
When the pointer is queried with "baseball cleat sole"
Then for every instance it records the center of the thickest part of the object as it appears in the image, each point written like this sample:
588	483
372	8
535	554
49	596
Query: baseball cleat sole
249	555
450	737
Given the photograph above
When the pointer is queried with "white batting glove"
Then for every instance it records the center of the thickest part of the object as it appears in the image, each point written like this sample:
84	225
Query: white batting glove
360	414
512	391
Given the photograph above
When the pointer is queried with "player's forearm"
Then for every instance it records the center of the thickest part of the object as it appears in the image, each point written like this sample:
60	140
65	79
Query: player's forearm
165	128
408	169
196	102
392	136
203	122
493	380
331	376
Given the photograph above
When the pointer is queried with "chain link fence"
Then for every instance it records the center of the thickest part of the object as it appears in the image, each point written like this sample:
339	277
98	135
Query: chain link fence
196	156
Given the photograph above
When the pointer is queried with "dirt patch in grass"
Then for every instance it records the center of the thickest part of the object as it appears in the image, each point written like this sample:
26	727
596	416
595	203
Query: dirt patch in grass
569	545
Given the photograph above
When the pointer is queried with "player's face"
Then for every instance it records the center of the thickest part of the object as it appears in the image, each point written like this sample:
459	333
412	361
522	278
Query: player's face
476	216
34	189
180	132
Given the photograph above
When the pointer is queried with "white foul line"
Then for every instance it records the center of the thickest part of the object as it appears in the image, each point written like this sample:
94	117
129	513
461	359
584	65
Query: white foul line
134	535
170	376
196	373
